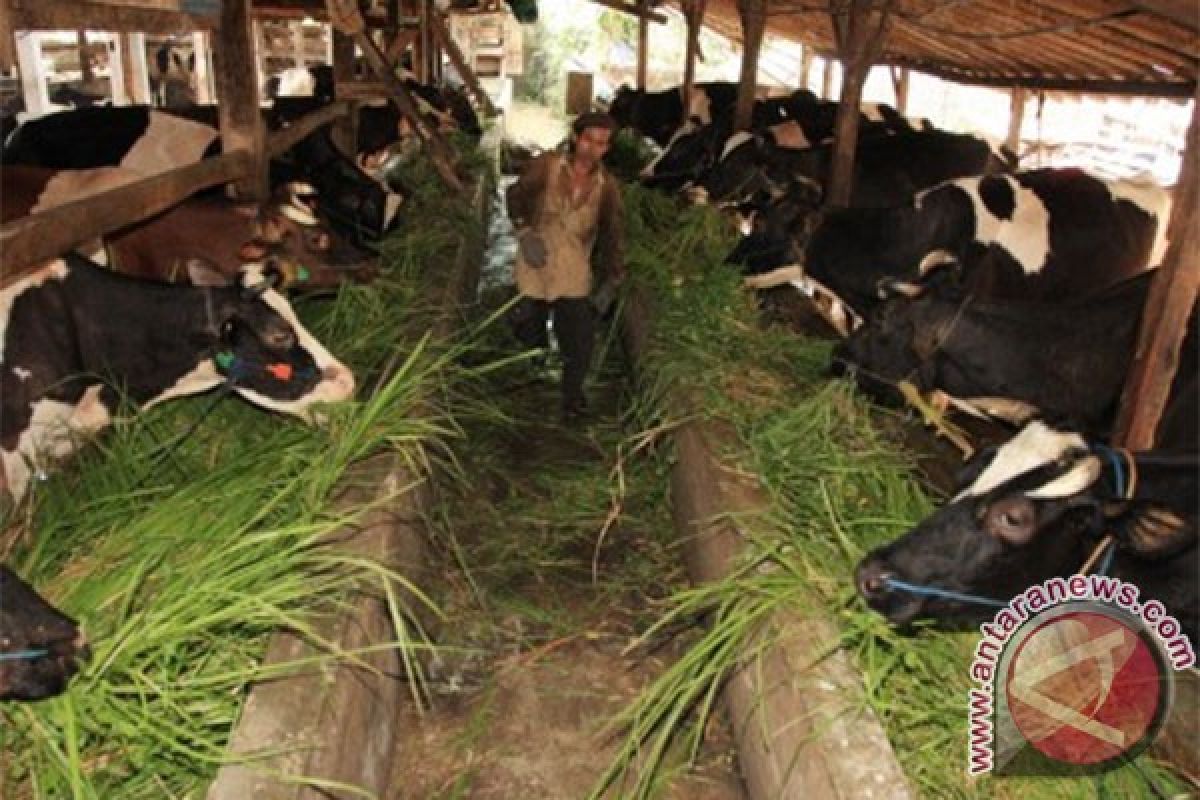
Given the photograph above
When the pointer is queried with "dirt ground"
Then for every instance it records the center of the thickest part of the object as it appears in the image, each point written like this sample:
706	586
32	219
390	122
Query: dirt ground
550	574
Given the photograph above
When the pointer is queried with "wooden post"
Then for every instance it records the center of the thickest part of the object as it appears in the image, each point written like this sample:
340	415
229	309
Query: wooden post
1170	302
693	13
827	79
754	19
85	62
1016	118
345	130
116	76
643	46
8	45
237	96
33	82
345	17
133	67
421	56
806	62
460	64
900	87
204	88
860	34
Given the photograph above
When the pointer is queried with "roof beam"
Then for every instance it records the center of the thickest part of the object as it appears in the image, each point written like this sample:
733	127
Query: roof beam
1083	85
1182	12
51	15
641	13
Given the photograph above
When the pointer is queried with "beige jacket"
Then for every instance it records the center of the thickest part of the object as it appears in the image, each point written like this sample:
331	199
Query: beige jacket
570	227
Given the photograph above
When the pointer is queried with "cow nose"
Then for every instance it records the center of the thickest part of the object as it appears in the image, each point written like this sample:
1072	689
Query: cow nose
872	580
340	378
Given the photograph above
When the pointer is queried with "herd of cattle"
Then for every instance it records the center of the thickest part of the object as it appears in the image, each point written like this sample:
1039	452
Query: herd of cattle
1016	294
198	289
1008	291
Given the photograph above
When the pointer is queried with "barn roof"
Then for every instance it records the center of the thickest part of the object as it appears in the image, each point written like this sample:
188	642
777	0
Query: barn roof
1122	46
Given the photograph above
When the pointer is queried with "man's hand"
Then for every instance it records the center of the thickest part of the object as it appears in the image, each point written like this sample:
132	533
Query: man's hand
533	249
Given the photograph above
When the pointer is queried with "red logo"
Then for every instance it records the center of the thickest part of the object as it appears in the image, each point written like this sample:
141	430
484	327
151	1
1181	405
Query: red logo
1086	687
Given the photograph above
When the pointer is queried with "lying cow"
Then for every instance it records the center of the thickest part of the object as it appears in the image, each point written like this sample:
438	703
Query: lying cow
77	339
658	115
210	228
1006	359
1052	235
1035	508
40	647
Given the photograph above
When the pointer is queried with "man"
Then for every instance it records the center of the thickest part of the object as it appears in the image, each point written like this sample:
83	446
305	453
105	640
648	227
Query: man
564	206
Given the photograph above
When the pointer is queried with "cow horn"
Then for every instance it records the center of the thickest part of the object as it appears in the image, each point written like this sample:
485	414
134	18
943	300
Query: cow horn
891	287
298	215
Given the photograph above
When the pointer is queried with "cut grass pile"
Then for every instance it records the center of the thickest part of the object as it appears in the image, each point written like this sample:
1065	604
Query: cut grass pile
187	535
837	487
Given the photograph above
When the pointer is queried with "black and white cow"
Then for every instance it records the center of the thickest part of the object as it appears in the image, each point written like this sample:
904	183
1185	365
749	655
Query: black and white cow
1034	509
1052	235
173	77
1064	361
40	647
145	140
658	115
66	366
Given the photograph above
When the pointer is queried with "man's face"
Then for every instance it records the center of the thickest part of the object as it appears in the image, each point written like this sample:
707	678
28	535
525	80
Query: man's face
592	144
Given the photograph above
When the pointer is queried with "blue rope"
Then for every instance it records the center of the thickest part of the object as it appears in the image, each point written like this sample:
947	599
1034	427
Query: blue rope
945	594
20	655
1118	468
1106	562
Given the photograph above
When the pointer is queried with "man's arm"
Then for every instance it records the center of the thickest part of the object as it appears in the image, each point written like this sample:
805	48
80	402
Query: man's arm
610	233
525	196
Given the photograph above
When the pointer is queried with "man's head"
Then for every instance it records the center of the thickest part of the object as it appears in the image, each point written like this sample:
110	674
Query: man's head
593	134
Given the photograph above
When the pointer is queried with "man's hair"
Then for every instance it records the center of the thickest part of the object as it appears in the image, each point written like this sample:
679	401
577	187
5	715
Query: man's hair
593	119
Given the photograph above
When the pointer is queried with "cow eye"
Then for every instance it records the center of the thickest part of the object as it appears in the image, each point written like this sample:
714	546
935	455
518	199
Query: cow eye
229	331
1011	519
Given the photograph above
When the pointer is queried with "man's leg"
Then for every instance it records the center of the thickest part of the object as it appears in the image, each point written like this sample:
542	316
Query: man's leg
528	321
575	327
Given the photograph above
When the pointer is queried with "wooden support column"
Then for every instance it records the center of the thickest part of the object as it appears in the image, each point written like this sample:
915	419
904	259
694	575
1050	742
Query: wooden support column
116	76
827	79
421	57
643	45
806	62
460	64
8	45
204	87
33	82
345	131
345	17
693	14
860	30
85	62
236	71
1016	118
900	87
1171	301
297	35
754	23
134	68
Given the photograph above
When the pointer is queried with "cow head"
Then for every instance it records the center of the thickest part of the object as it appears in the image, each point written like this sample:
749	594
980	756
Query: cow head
736	176
623	107
256	344
309	253
1032	509
40	647
690	153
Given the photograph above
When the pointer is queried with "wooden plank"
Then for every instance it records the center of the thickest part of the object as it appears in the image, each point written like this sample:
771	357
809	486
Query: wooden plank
52	15
241	123
693	14
1082	85
280	142
204	87
460	64
635	10
643	47
33	81
1171	301
29	241
134	68
1016	118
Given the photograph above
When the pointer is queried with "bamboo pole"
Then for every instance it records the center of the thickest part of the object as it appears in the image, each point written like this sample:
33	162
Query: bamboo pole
460	64
754	18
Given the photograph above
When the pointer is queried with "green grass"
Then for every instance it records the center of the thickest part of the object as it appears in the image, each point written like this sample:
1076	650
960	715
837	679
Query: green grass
181	550
837	488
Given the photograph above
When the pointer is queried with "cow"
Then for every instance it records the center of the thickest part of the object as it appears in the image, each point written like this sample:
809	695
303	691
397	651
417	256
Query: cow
312	81
1048	235
658	115
208	227
40	647
149	141
173	79
1035	508
66	366
1061	360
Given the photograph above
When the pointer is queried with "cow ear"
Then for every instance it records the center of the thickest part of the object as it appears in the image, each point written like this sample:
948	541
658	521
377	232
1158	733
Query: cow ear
253	250
202	272
1150	530
1012	519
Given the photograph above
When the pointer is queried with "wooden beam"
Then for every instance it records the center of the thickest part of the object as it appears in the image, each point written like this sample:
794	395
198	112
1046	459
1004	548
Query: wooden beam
32	240
1063	84
693	14
754	22
134	68
806	62
283	140
1016	118
460	64
57	15
86	74
636	10
900	80
1181	11
1171	301
345	130
33	82
827	78
643	48
236	70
